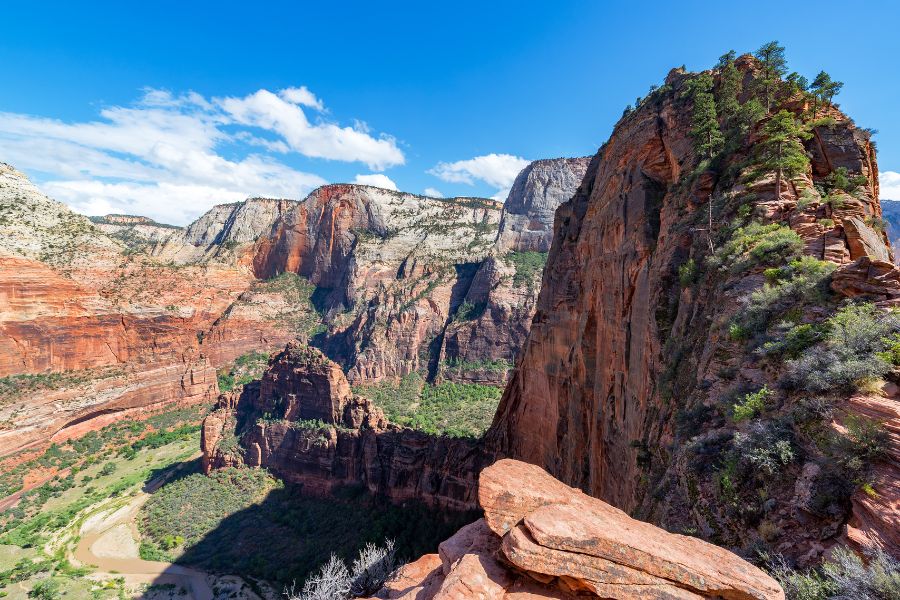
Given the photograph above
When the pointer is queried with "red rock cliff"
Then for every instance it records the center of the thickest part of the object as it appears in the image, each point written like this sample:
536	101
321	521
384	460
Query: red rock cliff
626	382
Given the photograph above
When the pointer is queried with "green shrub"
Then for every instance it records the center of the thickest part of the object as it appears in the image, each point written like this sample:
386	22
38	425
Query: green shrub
687	273
752	404
802	281
758	244
764	447
791	340
46	589
843	575
469	311
859	338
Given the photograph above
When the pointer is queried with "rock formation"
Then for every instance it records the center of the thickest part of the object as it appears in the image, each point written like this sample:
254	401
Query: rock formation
302	422
635	357
542	539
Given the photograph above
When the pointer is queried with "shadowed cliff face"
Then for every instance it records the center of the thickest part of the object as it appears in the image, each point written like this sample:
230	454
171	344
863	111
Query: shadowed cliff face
583	390
504	290
626	382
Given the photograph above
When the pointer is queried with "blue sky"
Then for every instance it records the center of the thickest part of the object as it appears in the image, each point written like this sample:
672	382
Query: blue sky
166	108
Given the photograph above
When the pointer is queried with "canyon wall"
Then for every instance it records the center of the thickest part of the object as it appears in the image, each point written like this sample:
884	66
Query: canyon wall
626	382
131	314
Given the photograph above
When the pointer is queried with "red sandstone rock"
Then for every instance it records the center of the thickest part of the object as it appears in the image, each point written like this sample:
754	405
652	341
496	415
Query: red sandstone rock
542	539
874	279
551	528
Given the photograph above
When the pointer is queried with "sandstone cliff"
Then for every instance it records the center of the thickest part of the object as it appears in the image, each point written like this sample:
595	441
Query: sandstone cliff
644	341
503	294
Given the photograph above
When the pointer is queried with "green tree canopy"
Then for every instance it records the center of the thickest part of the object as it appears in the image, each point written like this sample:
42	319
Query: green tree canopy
824	89
782	151
774	66
708	138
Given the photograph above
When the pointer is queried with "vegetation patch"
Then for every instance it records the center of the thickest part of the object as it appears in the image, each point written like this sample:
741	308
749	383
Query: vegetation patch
529	267
246	368
451	409
301	314
246	522
859	347
757	244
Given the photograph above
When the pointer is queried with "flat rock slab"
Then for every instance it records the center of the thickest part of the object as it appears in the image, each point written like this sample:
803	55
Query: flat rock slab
553	530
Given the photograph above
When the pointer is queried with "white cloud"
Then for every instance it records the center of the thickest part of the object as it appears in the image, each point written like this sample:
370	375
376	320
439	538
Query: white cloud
433	192
889	185
303	97
498	170
273	113
376	179
161	157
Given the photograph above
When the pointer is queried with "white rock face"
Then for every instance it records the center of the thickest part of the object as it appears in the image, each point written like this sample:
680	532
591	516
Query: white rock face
222	229
538	190
36	227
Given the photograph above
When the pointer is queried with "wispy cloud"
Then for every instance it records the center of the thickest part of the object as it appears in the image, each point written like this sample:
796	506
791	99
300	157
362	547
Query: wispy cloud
433	192
376	179
889	185
497	170
165	155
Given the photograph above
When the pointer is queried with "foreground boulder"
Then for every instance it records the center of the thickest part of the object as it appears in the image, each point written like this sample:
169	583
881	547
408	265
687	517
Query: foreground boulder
539	538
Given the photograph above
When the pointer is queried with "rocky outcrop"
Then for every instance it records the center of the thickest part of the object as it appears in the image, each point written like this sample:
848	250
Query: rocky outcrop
626	384
542	539
875	517
868	279
223	233
303	423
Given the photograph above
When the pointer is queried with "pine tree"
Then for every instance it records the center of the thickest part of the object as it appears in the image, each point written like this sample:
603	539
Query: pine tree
774	66
782	150
730	87
708	138
824	89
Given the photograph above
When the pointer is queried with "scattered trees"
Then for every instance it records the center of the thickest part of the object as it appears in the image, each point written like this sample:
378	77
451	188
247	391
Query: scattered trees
824	89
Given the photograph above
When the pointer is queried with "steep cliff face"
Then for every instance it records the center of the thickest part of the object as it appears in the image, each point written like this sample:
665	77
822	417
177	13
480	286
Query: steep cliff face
636	358
389	270
302	422
222	232
482	347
